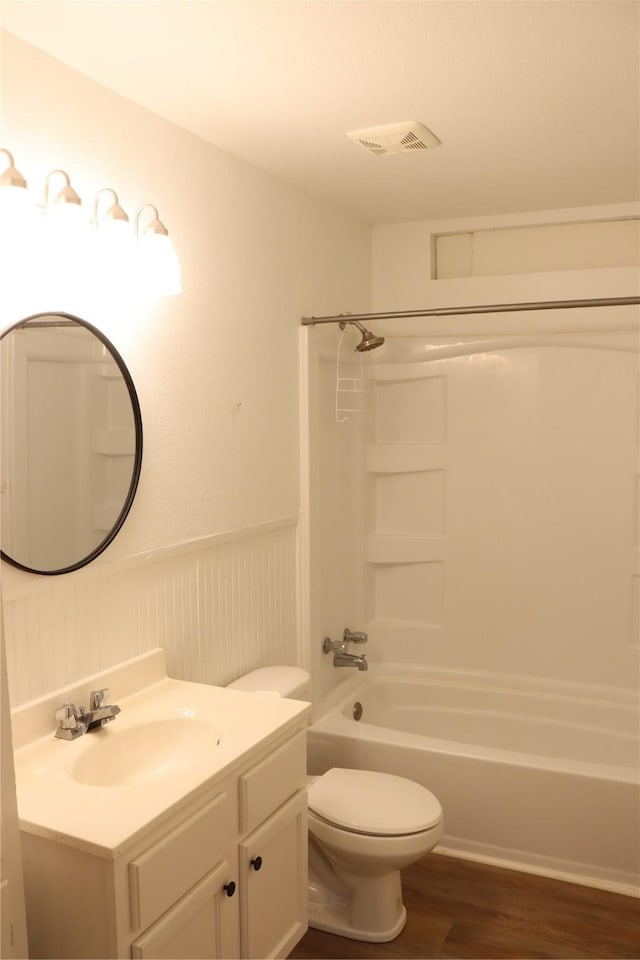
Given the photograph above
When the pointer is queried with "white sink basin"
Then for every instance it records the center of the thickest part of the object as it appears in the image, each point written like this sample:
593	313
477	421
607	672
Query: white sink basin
147	752
169	740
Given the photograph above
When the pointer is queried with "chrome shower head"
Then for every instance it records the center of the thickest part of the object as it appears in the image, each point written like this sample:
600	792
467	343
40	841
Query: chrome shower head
369	340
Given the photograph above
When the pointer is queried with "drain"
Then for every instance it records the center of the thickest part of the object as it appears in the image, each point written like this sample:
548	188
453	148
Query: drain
357	710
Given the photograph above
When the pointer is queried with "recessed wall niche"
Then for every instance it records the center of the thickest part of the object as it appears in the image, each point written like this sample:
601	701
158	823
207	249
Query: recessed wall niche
411	411
411	504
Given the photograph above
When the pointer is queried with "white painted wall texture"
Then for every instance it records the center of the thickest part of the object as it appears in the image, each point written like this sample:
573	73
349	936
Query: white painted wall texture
216	370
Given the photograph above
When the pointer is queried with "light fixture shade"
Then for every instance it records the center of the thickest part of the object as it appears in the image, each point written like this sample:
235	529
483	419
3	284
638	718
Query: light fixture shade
10	177
158	262
17	212
159	265
19	236
65	238
112	247
63	211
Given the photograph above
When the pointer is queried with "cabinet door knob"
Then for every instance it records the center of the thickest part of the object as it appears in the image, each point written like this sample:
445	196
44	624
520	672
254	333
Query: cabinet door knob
230	888
256	863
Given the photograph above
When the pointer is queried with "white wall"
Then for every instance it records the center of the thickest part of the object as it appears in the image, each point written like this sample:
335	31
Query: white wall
216	368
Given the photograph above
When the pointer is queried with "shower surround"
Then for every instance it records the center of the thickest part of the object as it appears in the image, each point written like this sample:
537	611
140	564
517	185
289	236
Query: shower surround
501	491
484	516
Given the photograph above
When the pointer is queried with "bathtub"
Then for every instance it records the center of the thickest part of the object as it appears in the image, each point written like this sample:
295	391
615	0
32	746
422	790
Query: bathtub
533	775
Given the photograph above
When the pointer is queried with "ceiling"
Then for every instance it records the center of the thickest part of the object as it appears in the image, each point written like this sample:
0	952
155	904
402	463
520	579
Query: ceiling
536	104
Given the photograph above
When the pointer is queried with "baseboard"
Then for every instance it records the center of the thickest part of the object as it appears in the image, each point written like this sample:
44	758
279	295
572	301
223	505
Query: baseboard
616	881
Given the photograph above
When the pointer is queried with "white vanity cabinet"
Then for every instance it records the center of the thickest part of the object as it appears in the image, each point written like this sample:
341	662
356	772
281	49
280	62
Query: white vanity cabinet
223	876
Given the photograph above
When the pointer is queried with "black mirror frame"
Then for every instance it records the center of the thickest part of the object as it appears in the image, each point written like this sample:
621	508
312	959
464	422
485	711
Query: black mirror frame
137	462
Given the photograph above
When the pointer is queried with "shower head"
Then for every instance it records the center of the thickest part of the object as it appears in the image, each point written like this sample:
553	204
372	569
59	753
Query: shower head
369	340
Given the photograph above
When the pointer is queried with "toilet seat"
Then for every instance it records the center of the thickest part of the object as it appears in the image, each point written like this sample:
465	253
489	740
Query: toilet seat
374	804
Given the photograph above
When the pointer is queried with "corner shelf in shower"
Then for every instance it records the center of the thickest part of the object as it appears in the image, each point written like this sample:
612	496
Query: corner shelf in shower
114	443
386	548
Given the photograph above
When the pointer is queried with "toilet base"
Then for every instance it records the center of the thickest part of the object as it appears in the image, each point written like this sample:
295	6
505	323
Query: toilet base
357	906
334	918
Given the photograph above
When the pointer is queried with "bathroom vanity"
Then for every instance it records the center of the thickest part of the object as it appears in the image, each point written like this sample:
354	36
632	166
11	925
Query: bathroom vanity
177	831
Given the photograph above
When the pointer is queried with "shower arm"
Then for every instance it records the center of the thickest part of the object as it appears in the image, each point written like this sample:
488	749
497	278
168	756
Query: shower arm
477	308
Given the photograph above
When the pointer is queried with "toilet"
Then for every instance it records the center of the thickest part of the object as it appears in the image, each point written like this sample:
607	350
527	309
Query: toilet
364	827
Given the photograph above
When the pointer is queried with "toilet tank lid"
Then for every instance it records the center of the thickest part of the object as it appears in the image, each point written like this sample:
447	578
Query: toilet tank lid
378	804
278	681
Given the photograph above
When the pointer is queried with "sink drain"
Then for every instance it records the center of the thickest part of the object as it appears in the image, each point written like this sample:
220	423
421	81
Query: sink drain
357	710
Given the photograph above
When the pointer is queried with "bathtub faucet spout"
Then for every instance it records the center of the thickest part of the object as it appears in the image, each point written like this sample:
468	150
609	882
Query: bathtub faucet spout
343	659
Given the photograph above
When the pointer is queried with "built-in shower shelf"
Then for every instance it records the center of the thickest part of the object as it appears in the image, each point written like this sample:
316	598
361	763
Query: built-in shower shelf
109	370
114	443
405	457
385	548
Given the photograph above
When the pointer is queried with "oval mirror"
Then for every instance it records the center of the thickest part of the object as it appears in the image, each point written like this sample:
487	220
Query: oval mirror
71	443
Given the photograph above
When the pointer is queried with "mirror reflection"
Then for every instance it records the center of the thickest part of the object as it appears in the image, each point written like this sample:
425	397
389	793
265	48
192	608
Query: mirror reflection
71	443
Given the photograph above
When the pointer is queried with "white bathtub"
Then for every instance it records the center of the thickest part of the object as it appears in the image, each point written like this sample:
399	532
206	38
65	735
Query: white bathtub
535	775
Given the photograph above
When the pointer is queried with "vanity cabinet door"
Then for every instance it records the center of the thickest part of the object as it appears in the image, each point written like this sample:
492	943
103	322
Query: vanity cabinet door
273	882
170	866
201	926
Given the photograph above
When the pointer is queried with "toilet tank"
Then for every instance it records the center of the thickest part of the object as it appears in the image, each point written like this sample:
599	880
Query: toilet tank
279	681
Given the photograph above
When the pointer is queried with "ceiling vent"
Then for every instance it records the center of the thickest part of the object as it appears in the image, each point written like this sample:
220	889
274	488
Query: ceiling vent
406	137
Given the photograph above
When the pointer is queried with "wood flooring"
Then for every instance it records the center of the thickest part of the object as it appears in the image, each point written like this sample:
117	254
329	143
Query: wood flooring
461	909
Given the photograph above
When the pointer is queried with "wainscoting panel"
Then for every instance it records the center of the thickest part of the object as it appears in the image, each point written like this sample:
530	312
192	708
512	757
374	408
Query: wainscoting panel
218	606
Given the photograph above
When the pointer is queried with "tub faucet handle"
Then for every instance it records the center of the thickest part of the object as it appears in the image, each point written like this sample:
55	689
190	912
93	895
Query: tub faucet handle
354	636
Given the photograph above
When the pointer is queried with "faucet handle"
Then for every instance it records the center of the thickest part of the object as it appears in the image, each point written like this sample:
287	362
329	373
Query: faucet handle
67	716
96	698
354	636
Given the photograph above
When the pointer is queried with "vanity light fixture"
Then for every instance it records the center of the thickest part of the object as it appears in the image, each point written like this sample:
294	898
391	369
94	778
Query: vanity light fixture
157	260
10	177
114	214
14	196
55	232
65	196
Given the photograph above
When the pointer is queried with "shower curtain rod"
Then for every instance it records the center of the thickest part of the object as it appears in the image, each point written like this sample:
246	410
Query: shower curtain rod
477	308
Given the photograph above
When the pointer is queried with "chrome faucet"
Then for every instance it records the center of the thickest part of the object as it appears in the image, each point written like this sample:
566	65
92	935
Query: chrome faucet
74	721
341	657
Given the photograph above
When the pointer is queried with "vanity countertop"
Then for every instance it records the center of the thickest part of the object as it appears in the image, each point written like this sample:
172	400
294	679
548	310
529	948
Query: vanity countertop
171	738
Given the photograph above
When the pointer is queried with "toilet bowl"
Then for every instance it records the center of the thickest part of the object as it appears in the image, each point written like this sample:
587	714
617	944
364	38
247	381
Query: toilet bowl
364	827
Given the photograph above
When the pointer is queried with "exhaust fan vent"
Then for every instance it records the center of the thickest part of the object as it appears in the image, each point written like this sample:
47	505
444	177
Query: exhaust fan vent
395	138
